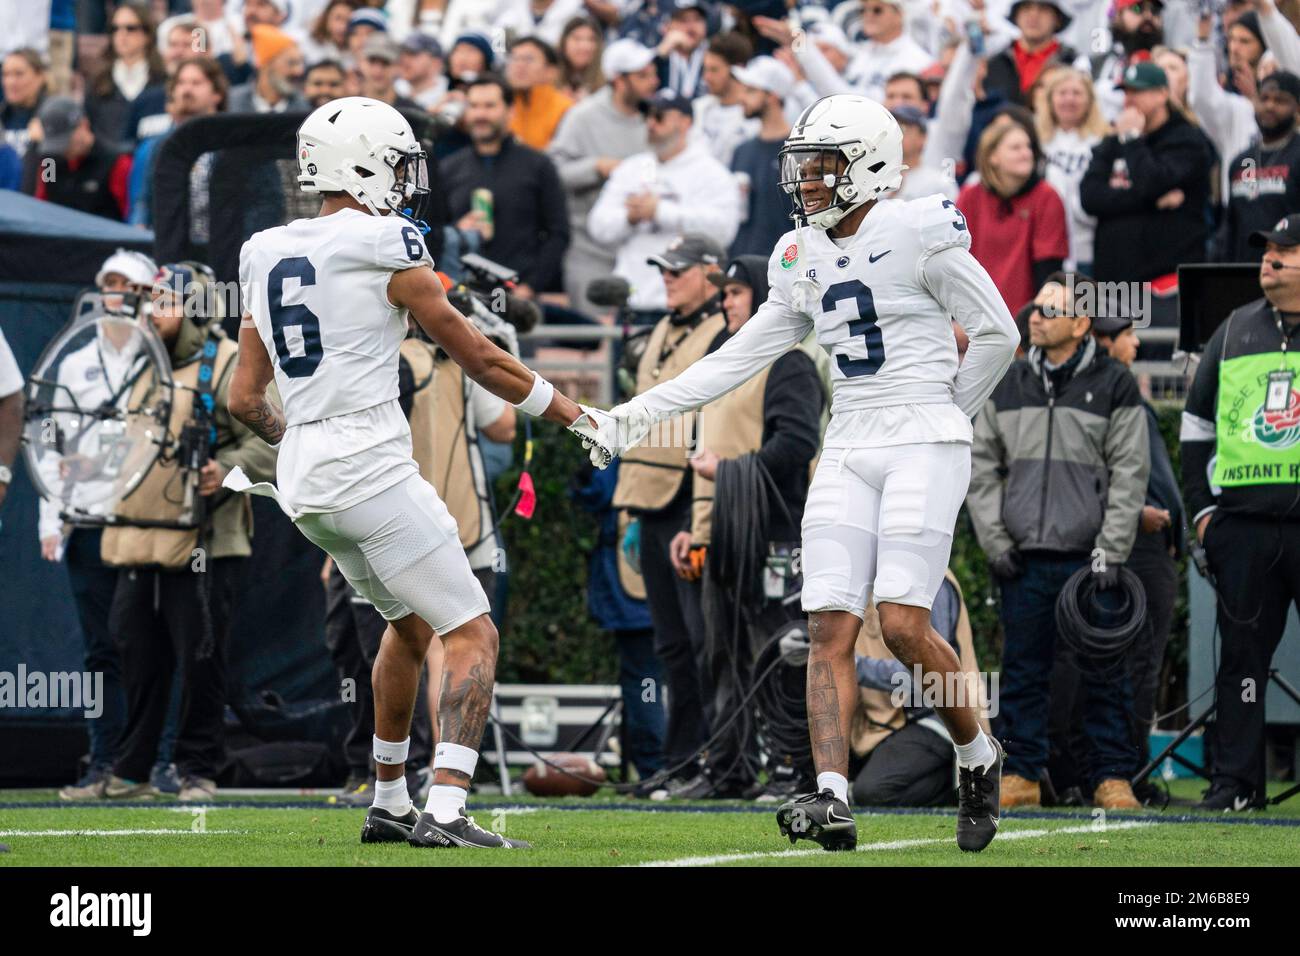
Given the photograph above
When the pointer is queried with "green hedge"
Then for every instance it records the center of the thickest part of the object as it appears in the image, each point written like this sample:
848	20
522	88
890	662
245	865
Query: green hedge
550	637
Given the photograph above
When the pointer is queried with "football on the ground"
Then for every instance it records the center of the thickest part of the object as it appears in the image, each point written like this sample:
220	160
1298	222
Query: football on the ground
583	779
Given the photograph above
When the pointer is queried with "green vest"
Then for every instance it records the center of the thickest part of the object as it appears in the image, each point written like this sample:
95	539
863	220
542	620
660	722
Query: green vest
1254	446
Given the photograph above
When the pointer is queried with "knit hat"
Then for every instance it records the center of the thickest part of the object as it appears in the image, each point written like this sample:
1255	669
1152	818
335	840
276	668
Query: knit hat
479	41
268	43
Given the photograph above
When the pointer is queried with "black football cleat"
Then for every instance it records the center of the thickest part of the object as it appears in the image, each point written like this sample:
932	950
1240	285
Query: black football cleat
462	831
820	817
978	803
1228	796
384	827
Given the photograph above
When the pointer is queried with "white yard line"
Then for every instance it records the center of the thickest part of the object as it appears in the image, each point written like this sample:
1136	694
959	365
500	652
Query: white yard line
65	833
893	844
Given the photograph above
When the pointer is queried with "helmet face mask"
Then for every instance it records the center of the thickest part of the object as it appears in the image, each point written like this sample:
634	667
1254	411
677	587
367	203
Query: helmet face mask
365	148
826	166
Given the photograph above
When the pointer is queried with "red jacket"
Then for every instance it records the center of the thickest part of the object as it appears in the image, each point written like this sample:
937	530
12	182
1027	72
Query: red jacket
1009	235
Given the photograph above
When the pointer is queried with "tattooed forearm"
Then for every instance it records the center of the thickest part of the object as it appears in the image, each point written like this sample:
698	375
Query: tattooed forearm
829	750
266	421
463	705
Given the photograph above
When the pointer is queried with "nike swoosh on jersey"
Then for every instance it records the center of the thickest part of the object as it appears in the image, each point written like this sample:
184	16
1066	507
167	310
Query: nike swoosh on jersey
875	258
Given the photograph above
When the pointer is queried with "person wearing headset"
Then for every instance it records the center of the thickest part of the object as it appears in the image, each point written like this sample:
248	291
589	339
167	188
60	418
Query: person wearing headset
1241	479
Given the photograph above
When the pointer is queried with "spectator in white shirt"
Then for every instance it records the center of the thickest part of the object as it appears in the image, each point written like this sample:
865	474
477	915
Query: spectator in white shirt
1227	118
720	122
327	39
1069	123
538	18
592	141
674	188
888	49
420	65
919	179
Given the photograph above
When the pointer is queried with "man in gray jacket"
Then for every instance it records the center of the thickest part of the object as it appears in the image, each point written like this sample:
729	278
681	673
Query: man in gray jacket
593	138
1059	471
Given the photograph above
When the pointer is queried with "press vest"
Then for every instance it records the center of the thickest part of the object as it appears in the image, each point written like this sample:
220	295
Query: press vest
651	474
161	496
441	435
1255	446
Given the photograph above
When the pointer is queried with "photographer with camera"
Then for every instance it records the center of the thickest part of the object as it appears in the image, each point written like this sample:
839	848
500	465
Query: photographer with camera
179	542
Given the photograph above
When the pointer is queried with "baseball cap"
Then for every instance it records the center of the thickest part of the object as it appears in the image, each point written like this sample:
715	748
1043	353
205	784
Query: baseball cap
765	73
911	115
368	16
59	116
1065	18
138	268
1285	233
668	99
741	270
1144	75
1284	81
692	249
417	42
379	46
625	56
1111	325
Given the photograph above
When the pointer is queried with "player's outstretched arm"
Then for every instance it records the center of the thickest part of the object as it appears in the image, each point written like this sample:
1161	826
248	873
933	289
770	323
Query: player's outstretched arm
420	291
774	329
248	399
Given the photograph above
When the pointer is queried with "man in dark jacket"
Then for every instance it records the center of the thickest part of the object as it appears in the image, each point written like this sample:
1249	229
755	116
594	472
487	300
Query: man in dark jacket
1158	545
528	228
1241	462
1264	180
1014	71
1148	185
71	167
1059	469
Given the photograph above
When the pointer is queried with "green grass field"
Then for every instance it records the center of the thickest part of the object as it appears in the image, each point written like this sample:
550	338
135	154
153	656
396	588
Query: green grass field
618	832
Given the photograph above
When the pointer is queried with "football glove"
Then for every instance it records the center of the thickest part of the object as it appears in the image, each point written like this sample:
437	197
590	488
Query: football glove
598	440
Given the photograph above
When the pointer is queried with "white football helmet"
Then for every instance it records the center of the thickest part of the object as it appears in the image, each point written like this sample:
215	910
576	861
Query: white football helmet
850	144
356	144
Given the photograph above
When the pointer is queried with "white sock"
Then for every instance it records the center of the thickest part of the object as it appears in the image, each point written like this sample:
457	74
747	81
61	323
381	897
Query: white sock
835	783
445	802
976	754
391	795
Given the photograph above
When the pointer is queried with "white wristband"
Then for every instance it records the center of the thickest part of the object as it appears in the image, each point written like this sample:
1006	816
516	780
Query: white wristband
539	399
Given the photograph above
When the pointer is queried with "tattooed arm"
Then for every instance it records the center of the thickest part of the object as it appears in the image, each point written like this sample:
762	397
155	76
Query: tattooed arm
248	399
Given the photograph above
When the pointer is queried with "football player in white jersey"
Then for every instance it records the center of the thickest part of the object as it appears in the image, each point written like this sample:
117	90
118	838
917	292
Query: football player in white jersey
879	282
326	303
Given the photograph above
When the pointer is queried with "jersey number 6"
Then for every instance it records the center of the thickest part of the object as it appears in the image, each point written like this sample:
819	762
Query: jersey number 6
290	316
864	325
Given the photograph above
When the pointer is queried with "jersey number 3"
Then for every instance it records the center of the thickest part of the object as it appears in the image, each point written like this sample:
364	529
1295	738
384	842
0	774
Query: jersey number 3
864	325
298	317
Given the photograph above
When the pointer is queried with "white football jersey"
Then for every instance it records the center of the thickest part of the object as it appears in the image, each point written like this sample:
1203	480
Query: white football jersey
317	291
889	341
881	303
